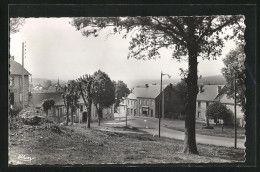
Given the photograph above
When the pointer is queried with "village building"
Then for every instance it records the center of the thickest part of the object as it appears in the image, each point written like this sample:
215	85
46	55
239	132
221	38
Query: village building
16	88
145	101
210	92
58	112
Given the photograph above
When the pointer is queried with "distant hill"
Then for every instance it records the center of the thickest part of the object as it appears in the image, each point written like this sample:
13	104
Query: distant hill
212	80
36	81
165	81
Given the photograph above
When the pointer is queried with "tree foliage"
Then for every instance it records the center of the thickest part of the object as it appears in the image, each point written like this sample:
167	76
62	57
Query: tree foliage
47	104
86	91
217	110
187	37
121	91
103	92
15	24
182	92
71	97
234	67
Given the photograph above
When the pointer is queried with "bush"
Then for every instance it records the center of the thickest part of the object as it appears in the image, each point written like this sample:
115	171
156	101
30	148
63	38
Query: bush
217	111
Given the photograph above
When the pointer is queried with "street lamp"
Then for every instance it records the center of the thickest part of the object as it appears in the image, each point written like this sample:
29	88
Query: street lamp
160	104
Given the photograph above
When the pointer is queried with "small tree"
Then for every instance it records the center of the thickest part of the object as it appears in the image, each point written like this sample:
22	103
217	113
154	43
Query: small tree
103	92
217	111
71	98
47	104
121	91
86	92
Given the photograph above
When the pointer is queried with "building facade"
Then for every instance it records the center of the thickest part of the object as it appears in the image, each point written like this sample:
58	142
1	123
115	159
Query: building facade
212	93
58	112
145	101
16	88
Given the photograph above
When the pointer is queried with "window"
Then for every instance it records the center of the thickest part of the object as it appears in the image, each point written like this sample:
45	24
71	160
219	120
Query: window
131	102
199	105
207	104
198	114
21	97
11	81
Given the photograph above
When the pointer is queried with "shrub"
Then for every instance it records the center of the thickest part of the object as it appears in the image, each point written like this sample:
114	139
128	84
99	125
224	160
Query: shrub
217	111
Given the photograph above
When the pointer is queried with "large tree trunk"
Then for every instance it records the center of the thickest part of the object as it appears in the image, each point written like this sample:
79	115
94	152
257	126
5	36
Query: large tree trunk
190	134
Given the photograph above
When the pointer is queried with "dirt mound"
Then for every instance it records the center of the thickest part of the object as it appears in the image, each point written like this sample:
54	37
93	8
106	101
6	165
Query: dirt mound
30	119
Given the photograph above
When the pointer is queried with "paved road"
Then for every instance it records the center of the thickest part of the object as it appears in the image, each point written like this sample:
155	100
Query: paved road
150	125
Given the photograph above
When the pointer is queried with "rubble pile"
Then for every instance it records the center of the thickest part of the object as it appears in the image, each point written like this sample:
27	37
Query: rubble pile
31	119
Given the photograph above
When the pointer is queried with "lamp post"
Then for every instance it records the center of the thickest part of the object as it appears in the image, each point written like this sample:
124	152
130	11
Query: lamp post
160	104
125	111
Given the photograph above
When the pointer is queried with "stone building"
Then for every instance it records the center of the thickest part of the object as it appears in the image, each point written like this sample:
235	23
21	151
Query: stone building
15	87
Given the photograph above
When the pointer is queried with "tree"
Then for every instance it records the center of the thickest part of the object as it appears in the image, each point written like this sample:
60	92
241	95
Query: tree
71	98
121	91
15	24
86	92
188	37
217	111
47	104
103	92
234	68
182	92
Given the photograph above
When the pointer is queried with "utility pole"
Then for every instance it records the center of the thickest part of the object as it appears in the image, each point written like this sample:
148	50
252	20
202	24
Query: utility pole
160	105
23	75
235	109
125	111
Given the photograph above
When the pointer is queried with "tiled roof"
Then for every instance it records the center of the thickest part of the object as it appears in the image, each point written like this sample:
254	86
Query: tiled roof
37	98
152	91
16	68
209	93
131	96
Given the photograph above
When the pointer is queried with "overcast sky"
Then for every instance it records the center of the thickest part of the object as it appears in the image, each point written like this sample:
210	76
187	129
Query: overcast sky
54	49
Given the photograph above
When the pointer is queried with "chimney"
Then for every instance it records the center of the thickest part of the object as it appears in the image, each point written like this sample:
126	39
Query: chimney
146	85
11	58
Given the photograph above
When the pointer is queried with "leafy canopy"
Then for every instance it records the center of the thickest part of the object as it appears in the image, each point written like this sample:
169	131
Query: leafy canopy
217	110
15	24
121	91
71	94
48	104
103	90
149	34
234	66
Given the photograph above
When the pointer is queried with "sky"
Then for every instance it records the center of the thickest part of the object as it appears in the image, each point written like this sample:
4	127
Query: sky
55	49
